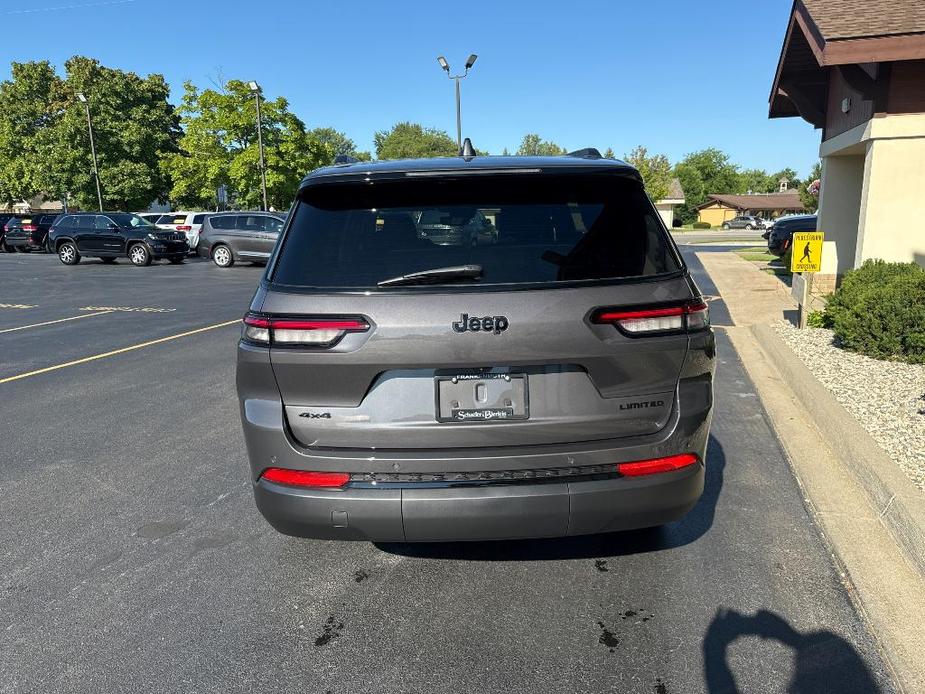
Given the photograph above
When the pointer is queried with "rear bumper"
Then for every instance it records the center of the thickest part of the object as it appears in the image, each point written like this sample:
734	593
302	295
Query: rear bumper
481	513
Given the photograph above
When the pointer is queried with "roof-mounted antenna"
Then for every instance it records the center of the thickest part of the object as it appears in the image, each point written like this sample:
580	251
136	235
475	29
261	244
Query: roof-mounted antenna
345	159
467	151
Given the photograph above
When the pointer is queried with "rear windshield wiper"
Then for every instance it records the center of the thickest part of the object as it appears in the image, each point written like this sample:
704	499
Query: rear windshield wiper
436	276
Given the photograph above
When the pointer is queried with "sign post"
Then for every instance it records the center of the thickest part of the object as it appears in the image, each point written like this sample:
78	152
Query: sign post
806	258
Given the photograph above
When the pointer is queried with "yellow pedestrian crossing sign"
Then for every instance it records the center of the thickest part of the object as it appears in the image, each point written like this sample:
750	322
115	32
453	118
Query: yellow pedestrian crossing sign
806	252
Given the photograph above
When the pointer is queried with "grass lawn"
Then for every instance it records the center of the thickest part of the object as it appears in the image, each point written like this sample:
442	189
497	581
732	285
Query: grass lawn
757	254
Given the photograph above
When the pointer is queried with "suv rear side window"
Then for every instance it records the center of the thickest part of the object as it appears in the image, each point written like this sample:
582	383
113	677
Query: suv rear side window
536	229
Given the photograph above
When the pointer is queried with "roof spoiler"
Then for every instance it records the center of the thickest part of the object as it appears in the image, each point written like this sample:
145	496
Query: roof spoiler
586	153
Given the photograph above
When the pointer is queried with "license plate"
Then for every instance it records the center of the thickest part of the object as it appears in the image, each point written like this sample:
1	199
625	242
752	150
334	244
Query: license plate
486	397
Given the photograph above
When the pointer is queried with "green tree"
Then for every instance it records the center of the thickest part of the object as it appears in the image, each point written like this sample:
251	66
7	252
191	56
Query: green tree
411	141
756	181
533	145
219	146
609	153
702	173
44	143
809	190
793	180
339	143
655	170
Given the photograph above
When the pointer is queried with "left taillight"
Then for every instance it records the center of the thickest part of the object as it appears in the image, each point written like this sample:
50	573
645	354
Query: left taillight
300	332
687	317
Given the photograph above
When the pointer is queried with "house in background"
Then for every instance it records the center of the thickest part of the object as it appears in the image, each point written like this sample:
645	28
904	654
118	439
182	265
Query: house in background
856	70
36	204
666	206
722	208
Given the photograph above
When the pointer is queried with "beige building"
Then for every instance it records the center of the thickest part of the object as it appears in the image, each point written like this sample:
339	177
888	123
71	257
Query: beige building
721	208
856	70
666	206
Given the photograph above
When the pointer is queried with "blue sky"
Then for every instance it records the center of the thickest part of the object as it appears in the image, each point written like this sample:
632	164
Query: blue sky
673	75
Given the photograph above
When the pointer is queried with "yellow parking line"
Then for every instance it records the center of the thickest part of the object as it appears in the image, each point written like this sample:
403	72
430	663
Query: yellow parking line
118	351
51	322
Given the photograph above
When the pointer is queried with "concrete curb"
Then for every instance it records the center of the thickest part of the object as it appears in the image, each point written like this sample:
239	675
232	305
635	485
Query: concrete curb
901	505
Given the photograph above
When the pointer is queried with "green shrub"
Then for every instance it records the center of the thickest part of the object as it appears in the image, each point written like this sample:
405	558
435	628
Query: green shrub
701	225
817	319
879	310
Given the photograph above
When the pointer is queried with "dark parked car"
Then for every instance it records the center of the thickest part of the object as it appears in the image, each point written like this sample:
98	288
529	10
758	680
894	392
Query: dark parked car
31	233
558	381
450	228
781	234
229	237
112	235
744	222
7	221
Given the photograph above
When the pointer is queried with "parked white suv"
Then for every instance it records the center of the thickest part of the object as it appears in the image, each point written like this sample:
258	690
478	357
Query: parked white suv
189	223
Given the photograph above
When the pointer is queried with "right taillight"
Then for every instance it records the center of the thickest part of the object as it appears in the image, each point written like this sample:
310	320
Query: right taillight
321	331
687	317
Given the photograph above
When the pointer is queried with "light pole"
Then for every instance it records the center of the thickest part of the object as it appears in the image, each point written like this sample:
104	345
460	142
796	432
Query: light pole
96	171
470	61
255	90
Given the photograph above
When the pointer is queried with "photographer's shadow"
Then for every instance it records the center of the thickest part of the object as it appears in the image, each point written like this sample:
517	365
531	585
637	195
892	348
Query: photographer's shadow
823	661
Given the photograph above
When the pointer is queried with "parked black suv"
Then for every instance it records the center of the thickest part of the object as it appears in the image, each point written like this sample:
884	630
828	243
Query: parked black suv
111	235
30	234
781	235
7	222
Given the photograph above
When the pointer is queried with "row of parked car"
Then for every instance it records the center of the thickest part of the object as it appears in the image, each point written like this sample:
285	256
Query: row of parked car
223	237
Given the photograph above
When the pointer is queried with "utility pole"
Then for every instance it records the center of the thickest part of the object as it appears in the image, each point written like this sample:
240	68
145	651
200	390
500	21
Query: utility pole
96	171
255	90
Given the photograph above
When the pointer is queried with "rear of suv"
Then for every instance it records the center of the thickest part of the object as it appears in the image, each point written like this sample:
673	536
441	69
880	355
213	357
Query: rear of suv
189	223
31	233
554	378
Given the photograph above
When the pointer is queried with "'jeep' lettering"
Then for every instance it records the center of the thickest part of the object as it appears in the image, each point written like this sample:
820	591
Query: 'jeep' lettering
486	324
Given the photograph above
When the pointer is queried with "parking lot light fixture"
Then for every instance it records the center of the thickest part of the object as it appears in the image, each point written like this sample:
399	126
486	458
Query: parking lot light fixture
470	61
255	90
82	98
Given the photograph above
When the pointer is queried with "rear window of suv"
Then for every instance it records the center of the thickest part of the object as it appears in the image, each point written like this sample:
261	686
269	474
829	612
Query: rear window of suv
534	229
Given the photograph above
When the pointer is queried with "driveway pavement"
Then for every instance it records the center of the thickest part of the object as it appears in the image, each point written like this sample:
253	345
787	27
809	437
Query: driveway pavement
132	557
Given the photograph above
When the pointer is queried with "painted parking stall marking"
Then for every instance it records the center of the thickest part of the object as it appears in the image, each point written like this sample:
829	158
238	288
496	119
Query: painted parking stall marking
123	350
17	306
127	309
52	322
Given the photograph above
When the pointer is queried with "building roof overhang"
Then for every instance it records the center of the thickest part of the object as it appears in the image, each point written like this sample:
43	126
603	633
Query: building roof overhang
801	79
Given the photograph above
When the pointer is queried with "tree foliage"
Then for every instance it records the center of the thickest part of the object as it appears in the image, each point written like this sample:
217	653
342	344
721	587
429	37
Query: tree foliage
339	143
413	141
655	170
220	146
44	140
534	145
702	173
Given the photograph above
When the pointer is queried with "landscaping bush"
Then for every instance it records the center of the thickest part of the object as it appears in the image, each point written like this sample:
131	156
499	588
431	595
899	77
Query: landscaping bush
701	225
879	310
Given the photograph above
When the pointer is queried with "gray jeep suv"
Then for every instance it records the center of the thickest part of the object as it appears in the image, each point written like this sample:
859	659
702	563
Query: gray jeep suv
555	378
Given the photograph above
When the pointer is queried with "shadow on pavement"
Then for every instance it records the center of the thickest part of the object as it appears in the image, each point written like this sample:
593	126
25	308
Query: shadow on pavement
677	534
823	661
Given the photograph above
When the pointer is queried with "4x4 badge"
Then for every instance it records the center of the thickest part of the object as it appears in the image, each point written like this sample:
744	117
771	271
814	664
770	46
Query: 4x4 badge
486	324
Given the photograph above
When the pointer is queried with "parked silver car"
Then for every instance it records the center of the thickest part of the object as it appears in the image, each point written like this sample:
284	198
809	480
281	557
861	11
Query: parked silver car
229	237
556	381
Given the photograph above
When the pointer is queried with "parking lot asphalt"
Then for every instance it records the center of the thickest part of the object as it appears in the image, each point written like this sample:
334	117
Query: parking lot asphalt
132	557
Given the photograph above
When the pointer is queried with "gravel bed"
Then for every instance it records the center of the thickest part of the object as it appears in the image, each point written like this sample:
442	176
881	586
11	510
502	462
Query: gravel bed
887	398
